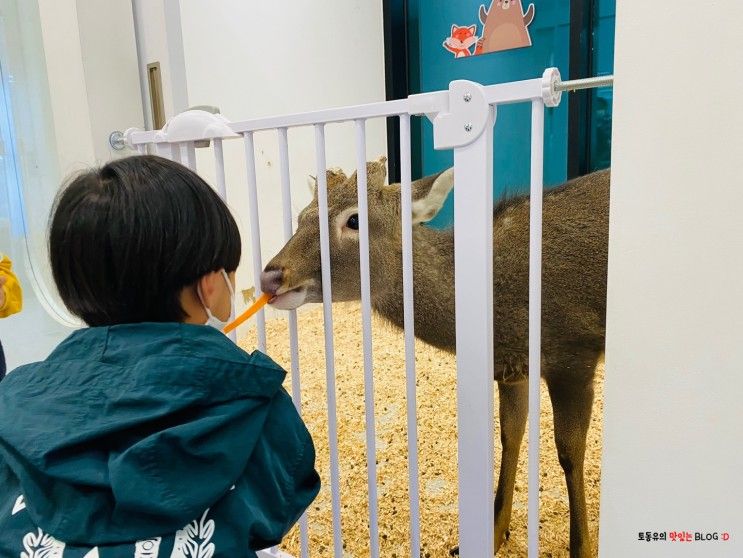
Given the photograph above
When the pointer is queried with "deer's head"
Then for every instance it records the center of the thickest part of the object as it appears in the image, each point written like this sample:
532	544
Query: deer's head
294	275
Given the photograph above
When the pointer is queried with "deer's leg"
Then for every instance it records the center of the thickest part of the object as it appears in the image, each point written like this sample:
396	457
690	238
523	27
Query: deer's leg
514	408
572	400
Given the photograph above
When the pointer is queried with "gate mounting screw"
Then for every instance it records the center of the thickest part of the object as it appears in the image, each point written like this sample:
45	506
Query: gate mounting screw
117	140
467	97
468	127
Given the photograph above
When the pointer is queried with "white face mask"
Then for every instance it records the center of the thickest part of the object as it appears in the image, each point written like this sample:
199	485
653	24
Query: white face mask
211	319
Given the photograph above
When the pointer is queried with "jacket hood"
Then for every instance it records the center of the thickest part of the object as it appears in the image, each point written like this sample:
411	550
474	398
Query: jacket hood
133	430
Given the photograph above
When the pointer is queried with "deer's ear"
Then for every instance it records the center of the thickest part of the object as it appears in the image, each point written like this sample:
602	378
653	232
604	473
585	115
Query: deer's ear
429	194
376	172
332	176
312	185
335	176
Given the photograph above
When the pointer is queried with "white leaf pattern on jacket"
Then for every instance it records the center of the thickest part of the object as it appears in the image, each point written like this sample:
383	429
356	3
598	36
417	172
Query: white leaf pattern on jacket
194	540
41	545
92	553
20	504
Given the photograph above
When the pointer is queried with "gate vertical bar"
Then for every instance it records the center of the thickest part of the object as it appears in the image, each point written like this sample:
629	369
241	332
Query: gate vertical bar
219	167
191	155
222	191
409	325
473	284
286	198
164	150
535	316
327	300
371	436
255	233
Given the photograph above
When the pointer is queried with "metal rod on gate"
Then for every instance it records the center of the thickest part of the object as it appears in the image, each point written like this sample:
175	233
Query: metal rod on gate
371	446
535	316
255	233
584	83
409	325
142	149
304	539
222	191
327	300
473	284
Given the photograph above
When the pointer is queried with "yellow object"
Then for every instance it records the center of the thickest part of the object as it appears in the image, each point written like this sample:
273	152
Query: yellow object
257	305
12	299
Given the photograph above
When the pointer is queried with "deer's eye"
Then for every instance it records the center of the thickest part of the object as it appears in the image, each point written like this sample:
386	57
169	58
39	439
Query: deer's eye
353	222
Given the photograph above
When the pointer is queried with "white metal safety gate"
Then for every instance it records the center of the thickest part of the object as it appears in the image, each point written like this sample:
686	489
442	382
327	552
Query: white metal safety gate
463	119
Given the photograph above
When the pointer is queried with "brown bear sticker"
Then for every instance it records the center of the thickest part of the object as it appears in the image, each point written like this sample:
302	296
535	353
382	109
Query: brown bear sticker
505	26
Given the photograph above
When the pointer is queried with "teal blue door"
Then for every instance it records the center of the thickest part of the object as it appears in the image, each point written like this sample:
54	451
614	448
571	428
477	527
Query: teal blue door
431	66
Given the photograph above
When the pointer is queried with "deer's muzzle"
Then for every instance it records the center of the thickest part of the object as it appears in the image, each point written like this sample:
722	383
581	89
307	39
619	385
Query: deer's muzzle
283	296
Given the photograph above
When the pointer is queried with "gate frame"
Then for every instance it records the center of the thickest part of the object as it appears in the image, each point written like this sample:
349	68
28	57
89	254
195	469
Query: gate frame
463	119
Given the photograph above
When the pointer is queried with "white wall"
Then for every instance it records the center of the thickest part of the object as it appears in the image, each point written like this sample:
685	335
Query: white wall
159	35
153	44
109	59
91	67
673	415
66	75
255	59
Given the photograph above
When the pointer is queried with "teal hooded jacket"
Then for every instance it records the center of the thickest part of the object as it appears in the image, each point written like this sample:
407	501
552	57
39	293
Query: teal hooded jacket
150	440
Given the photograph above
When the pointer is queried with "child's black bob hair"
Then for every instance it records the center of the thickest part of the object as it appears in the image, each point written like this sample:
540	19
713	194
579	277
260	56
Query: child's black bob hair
125	239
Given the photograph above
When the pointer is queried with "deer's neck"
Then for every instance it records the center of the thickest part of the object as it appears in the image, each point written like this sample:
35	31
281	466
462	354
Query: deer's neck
433	286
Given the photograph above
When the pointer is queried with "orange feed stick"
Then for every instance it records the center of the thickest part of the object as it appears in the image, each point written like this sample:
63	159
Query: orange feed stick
257	305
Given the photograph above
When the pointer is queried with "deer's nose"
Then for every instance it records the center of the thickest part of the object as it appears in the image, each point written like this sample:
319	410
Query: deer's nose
271	280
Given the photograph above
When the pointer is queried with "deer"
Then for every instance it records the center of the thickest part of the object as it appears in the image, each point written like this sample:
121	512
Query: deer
574	252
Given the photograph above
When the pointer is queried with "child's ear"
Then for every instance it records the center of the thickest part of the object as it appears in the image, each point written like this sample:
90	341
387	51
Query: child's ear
208	283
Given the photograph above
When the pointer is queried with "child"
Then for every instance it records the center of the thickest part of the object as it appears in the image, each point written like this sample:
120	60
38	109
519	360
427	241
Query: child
11	299
148	433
